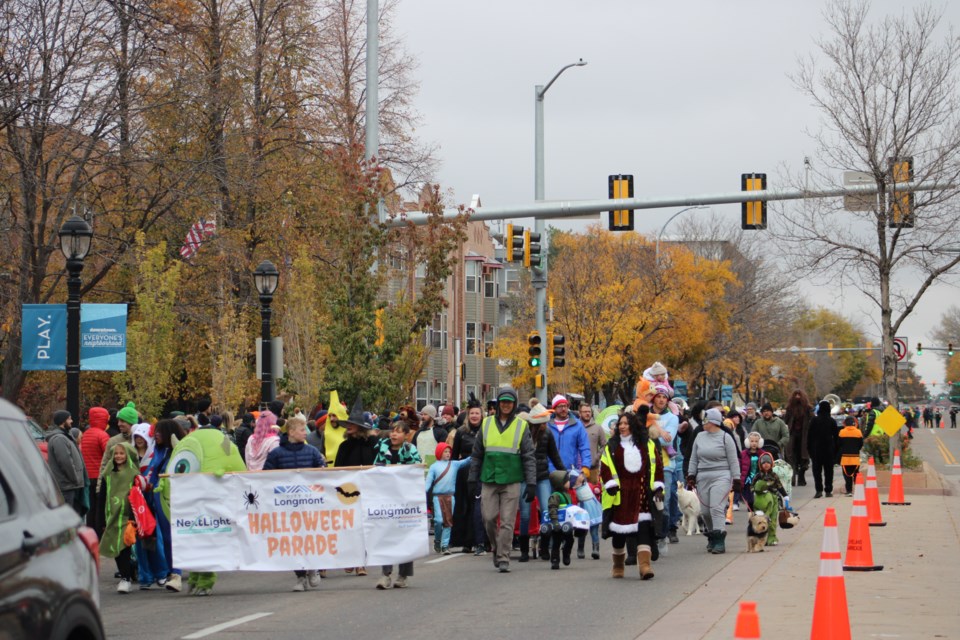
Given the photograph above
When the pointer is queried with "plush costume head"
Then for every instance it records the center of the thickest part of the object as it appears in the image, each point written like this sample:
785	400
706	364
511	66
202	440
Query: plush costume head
203	451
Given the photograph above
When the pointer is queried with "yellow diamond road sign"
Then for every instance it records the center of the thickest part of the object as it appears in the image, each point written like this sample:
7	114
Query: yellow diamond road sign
890	421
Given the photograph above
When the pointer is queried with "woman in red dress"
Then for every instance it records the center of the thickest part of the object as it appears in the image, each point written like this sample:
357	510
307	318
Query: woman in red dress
632	478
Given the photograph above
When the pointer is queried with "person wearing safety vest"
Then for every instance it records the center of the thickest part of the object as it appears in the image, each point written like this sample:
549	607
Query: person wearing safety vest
503	459
871	428
848	454
632	478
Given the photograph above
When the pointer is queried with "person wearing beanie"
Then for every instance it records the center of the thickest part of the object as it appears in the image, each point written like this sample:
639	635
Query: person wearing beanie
545	451
216	422
571	438
772	429
822	445
447	415
766	487
429	435
509	463
441	487
631	473
92	448
714	469
751	417
669	425
65	461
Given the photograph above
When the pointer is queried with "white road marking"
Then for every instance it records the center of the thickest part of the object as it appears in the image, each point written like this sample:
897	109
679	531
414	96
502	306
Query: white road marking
217	628
443	558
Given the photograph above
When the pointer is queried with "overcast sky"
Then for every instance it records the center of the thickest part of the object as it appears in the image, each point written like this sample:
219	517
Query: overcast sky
684	95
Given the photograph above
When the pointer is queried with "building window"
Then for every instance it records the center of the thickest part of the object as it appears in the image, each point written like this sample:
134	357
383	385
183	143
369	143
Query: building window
421	271
472	268
472	391
439	395
471	338
396	260
511	281
489	336
437	333
421	394
491	288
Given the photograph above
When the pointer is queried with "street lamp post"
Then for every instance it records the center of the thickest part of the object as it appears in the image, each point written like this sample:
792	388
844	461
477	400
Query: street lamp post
541	289
664	227
75	237
266	278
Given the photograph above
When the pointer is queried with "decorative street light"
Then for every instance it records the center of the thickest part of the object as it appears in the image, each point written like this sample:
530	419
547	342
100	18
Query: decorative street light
75	237
540	91
266	278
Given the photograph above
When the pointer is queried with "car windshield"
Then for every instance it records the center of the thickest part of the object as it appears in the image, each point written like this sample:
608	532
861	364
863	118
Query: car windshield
15	436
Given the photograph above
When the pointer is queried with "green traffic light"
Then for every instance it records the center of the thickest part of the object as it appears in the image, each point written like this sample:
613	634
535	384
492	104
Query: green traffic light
534	362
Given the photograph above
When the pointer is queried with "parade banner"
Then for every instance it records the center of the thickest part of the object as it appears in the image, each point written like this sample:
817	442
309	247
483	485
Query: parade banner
44	337
298	519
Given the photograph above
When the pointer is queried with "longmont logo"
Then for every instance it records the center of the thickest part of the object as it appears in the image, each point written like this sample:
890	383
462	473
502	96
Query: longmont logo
289	489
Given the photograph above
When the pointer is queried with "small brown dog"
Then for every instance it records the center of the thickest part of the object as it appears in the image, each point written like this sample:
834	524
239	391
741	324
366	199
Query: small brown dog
757	527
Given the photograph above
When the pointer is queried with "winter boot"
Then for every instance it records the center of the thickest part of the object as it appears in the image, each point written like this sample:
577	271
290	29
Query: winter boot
544	547
711	540
524	548
618	560
555	551
567	549
720	545
631	551
643	558
581	542
595	554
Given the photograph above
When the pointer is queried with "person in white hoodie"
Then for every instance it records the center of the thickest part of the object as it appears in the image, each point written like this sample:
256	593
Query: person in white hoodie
265	439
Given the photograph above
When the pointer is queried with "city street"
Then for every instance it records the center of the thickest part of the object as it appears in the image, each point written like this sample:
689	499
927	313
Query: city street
694	594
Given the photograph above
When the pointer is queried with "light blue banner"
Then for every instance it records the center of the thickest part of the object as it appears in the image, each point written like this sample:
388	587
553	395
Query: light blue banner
44	341
103	337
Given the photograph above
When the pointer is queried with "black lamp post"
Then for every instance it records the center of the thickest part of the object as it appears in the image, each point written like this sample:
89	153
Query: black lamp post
266	278
75	236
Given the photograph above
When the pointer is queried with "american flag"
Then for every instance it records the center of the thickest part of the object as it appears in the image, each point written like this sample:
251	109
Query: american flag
199	232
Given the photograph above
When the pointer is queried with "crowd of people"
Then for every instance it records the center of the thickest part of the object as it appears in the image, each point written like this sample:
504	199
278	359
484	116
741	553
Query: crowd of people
502	477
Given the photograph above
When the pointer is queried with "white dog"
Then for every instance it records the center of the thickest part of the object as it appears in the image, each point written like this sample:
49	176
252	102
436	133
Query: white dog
689	503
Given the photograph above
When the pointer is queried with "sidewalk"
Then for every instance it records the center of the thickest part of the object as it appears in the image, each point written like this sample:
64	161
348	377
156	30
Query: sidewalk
913	597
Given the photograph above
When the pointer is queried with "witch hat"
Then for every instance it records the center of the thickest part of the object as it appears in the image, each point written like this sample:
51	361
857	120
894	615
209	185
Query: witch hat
358	416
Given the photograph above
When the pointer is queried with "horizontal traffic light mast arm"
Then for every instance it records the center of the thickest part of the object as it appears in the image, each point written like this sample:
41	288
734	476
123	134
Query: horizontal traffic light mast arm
825	349
574	208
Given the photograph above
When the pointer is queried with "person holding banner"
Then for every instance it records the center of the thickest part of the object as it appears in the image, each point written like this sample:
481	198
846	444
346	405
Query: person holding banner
503	458
359	446
397	450
295	453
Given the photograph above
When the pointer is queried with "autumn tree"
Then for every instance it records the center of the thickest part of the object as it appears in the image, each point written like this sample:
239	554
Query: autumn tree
887	89
838	372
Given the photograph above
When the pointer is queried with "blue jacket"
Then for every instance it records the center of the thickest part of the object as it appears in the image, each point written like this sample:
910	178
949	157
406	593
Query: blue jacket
573	444
290	455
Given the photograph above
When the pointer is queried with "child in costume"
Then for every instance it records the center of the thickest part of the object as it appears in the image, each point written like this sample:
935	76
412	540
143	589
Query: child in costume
587	499
121	471
396	450
766	489
562	518
750	465
441	485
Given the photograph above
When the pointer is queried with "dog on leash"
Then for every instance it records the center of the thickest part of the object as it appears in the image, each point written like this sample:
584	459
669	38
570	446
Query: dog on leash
757	527
689	503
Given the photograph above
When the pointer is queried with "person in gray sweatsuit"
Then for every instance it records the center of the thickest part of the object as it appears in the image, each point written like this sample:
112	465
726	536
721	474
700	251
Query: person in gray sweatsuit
65	461
714	469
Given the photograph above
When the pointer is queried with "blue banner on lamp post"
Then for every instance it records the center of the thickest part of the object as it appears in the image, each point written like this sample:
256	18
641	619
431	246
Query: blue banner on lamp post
44	339
103	337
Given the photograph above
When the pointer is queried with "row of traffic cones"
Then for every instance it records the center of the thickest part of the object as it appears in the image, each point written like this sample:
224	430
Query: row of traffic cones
830	616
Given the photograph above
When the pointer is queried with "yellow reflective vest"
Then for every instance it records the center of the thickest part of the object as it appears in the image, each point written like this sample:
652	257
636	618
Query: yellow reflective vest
502	463
607	459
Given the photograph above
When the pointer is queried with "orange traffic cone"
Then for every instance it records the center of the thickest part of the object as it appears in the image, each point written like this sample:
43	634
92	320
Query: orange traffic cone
830	616
896	482
873	497
748	622
859	549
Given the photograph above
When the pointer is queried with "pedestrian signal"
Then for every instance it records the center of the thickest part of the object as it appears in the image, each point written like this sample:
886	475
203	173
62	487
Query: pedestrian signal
901	202
514	241
618	188
531	249
753	214
557	350
534	350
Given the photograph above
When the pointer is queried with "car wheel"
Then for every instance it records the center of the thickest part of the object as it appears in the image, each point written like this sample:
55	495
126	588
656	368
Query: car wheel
78	623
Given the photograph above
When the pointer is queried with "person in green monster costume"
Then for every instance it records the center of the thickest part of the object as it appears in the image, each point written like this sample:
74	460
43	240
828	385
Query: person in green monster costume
203	451
116	480
766	486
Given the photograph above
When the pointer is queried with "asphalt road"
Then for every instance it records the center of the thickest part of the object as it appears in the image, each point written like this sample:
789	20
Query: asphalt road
459	596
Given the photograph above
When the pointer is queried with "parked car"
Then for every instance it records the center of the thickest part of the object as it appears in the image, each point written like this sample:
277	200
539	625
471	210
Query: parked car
49	562
36	432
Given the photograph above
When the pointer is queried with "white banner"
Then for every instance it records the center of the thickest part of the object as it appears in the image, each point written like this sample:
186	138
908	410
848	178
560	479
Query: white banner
298	519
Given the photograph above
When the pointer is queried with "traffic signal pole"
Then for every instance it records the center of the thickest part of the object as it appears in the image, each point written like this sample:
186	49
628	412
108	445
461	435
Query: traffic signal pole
540	275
